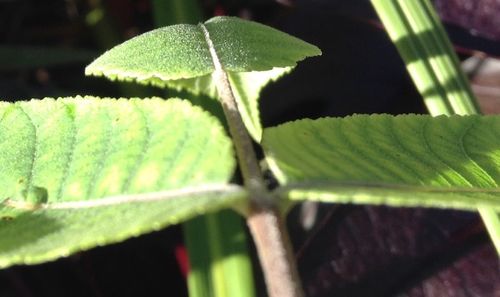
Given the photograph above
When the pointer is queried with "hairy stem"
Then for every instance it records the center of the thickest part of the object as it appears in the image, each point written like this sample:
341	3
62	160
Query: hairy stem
264	219
275	252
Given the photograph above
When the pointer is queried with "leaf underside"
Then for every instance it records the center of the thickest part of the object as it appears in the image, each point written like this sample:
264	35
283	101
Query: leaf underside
92	157
246	89
409	160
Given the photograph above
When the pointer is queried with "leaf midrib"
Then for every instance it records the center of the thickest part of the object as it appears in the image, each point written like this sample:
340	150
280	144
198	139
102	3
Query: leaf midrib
211	47
185	192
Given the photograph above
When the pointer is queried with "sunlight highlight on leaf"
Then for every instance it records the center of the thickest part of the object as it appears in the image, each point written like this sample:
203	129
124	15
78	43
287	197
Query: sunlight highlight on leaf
390	160
181	51
80	172
178	57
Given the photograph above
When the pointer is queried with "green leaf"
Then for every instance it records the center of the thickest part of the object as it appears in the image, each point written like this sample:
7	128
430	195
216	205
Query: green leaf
178	57
407	160
81	172
173	52
246	87
396	195
248	46
181	51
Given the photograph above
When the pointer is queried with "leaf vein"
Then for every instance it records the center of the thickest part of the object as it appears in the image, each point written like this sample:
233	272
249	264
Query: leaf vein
91	187
484	174
69	163
140	160
384	154
319	137
34	154
433	153
415	155
201	153
170	163
359	153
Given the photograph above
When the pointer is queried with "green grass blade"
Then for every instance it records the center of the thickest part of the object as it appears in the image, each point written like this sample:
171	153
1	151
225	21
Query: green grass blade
440	54
413	54
491	220
219	261
447	91
197	238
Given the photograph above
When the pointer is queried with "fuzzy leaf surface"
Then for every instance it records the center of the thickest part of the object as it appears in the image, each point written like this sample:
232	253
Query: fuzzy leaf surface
173	52
406	160
246	89
181	51
249	46
178	57
80	172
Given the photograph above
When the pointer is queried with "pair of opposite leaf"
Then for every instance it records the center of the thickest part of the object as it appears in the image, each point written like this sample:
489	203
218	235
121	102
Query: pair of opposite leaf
111	169
179	57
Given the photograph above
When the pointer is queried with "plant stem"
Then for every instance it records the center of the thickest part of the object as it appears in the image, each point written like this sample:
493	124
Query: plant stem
224	269
275	252
263	219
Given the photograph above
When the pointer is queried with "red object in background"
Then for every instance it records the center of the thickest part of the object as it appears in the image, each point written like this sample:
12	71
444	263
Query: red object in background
182	259
219	11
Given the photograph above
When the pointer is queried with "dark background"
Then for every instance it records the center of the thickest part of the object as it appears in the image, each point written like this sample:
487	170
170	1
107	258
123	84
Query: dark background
350	250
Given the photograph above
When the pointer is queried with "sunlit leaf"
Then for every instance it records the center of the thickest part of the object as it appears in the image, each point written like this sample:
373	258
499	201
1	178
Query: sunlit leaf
402	161
178	57
81	172
181	51
246	87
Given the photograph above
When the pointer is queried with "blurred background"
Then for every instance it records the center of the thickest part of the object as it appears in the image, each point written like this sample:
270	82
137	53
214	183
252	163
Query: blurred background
341	250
